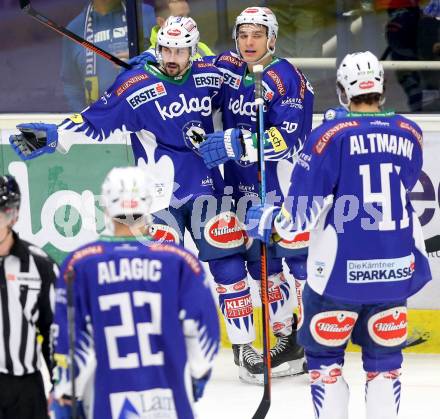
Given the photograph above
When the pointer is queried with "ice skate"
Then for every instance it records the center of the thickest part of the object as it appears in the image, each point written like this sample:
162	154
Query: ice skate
250	364
287	357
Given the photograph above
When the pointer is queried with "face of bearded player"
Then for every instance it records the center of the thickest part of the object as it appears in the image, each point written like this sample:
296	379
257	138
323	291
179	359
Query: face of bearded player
253	42
175	61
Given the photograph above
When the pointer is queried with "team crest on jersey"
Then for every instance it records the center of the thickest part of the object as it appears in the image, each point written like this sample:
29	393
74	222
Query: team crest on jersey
146	94
157	402
194	135
163	233
207	80
389	327
224	231
333	328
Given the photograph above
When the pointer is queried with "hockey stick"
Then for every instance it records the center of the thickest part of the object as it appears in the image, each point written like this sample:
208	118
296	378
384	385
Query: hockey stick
25	5
71	332
264	406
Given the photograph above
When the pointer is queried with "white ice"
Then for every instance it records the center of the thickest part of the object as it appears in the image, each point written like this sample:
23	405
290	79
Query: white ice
227	398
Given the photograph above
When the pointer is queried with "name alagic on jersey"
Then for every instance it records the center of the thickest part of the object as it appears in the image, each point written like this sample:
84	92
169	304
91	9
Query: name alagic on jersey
129	269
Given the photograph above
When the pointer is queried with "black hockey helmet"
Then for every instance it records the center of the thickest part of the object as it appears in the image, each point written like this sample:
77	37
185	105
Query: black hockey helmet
9	193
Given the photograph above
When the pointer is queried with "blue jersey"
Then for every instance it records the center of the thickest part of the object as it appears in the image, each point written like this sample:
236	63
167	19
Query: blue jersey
169	116
287	118
145	316
350	189
85	74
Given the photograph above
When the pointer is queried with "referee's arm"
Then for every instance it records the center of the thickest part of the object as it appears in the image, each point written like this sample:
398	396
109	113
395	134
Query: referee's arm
46	306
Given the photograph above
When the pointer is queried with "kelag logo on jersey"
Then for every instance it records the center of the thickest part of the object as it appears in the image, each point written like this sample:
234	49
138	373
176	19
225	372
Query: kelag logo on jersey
239	106
207	80
231	79
195	104
146	94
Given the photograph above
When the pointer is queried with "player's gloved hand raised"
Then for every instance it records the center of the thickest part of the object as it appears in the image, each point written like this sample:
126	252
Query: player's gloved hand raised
259	221
140	60
221	146
35	139
199	385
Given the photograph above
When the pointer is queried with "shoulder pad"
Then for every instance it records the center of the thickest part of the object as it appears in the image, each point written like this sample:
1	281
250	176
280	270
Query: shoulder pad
231	59
135	78
329	130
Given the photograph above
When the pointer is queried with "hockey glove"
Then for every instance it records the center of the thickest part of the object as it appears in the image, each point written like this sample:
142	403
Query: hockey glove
140	60
221	146
259	221
35	139
199	385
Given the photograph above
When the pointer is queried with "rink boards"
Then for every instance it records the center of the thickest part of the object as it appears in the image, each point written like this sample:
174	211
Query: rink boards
60	205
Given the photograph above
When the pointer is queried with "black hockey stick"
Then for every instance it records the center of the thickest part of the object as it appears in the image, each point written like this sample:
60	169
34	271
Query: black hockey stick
25	5
264	406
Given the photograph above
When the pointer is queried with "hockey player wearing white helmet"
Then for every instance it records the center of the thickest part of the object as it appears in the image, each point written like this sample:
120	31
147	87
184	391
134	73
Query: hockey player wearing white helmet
360	271
176	45
155	295
288	113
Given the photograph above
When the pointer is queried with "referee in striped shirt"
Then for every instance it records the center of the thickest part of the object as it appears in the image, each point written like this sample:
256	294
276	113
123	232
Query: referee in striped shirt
27	277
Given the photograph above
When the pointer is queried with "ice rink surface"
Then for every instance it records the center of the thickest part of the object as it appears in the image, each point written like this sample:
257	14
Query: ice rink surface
227	398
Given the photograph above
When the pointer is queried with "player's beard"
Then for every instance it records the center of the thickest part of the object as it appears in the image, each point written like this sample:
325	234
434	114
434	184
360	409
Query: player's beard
173	69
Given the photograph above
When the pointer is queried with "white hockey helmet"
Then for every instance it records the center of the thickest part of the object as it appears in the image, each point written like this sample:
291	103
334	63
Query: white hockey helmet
359	74
126	194
179	32
257	16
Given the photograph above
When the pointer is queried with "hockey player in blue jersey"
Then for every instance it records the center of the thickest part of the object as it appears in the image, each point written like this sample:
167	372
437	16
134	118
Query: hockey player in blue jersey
350	189
146	325
167	106
287	121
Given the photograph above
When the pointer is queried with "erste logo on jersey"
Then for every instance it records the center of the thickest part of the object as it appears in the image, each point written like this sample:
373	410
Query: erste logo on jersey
224	231
333	328
389	327
194	104
207	80
146	94
194	135
230	78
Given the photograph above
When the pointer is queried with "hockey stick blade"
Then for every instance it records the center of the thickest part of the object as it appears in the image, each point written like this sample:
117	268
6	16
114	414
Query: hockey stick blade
263	408
27	8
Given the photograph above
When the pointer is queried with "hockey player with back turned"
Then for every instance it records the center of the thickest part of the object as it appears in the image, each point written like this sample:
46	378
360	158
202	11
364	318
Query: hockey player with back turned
350	189
146	324
287	121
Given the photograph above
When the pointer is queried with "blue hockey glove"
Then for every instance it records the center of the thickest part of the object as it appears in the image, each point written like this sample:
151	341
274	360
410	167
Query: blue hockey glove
259	221
334	113
64	411
140	60
433	9
199	385
35	139
221	146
